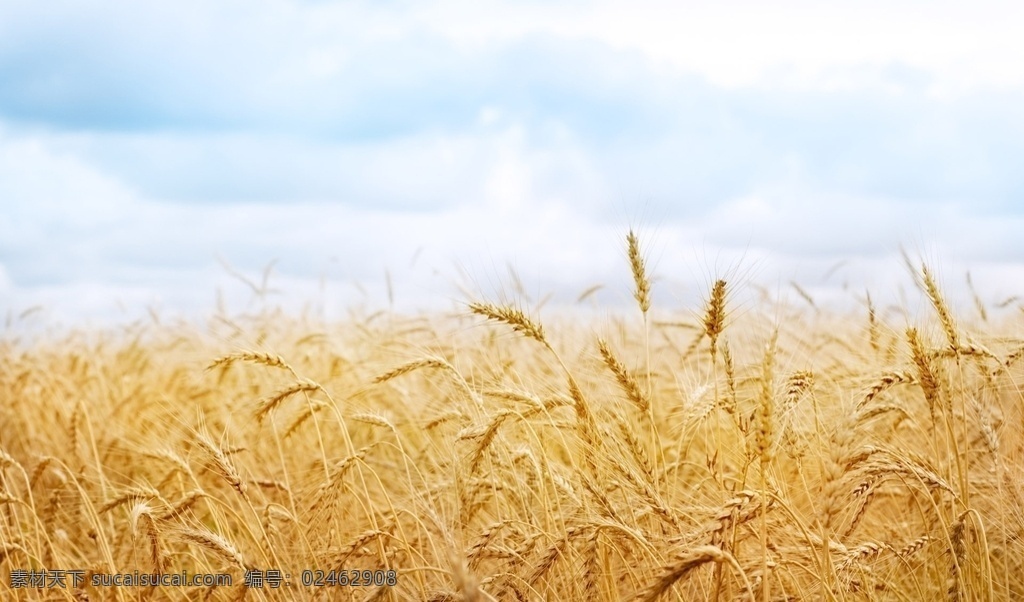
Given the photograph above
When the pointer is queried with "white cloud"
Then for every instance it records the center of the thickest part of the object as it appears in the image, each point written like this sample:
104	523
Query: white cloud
139	142
801	43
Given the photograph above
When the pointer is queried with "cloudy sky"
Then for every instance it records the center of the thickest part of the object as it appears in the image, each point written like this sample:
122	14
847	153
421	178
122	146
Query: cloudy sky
154	154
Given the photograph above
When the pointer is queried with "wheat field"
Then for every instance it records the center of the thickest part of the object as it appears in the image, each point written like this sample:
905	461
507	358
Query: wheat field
502	453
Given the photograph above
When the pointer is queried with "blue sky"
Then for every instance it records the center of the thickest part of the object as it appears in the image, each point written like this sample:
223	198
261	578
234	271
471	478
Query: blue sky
143	145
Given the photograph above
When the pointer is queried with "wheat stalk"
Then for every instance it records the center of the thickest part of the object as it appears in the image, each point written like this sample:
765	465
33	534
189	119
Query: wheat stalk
214	543
221	461
626	381
637	265
427	362
714	316
680	565
513	317
269	404
141	518
182	505
255	357
945	316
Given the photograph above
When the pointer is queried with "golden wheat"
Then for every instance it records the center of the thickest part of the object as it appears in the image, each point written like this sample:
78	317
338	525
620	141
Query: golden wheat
852	458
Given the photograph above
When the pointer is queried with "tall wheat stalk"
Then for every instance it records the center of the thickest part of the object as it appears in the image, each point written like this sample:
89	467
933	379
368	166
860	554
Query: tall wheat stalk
642	294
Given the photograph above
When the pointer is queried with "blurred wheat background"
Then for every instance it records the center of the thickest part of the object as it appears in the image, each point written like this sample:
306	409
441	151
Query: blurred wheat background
773	453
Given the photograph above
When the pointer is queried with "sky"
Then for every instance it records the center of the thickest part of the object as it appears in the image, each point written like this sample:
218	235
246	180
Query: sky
159	156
